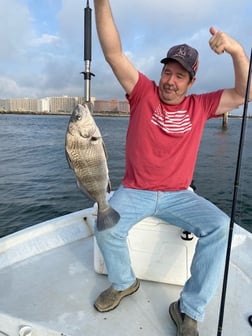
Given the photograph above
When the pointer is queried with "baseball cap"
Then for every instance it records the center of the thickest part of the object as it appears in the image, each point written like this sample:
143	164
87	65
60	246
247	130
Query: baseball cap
187	56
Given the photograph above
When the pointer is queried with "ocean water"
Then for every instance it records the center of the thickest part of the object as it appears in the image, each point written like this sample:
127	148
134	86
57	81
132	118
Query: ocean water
36	183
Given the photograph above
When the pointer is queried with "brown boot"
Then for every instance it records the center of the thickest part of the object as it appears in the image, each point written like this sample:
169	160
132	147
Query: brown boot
186	326
110	298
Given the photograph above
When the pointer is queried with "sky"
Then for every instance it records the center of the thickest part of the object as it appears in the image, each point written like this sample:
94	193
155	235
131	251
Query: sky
41	42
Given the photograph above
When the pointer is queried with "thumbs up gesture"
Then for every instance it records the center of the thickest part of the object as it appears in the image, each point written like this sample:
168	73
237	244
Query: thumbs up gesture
220	42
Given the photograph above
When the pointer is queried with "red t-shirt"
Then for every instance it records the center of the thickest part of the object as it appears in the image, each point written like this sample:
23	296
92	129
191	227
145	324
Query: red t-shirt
163	140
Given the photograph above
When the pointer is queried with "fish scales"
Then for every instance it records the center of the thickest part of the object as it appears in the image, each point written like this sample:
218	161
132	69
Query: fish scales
86	155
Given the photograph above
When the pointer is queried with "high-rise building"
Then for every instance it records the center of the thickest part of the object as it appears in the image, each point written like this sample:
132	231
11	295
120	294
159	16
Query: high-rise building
61	105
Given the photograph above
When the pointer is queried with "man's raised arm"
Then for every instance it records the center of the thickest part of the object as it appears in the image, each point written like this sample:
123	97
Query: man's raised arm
221	42
111	45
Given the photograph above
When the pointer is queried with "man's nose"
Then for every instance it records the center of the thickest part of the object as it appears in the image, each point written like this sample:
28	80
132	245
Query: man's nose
170	79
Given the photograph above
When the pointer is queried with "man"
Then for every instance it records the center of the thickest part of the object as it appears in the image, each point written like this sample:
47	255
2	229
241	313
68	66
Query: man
163	138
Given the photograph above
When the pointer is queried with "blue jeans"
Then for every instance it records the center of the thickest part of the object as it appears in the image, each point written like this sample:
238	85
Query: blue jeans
184	209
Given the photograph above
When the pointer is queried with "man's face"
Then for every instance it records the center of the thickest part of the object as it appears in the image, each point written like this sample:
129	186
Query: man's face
174	83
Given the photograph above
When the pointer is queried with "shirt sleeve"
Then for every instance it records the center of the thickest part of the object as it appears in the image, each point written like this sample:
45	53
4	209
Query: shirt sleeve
143	86
210	102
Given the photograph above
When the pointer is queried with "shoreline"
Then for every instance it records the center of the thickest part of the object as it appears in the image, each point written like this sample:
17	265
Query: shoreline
96	114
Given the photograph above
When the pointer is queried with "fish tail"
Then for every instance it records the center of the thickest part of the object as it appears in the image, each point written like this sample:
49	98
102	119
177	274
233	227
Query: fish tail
107	218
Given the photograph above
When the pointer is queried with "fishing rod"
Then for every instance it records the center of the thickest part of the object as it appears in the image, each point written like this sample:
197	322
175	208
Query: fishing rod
87	51
234	202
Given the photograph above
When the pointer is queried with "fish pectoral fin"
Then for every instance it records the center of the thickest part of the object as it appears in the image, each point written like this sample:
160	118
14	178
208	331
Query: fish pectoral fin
107	218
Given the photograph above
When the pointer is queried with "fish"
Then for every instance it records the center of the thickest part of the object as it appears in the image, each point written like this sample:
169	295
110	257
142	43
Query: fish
87	157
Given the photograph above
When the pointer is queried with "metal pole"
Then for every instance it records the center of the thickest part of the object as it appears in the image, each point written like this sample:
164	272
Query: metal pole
234	202
87	51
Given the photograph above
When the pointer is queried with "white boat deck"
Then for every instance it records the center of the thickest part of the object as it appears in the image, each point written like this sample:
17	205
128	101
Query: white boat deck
48	286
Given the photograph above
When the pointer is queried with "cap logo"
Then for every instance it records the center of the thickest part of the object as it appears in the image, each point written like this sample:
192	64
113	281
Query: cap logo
181	52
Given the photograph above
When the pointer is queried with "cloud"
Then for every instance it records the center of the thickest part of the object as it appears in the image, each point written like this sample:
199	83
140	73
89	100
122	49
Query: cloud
15	29
42	43
8	85
45	39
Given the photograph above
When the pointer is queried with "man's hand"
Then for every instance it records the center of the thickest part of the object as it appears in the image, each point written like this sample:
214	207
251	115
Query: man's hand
220	42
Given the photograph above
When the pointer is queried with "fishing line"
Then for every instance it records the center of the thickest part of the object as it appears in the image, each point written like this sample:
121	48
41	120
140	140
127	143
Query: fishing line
234	202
